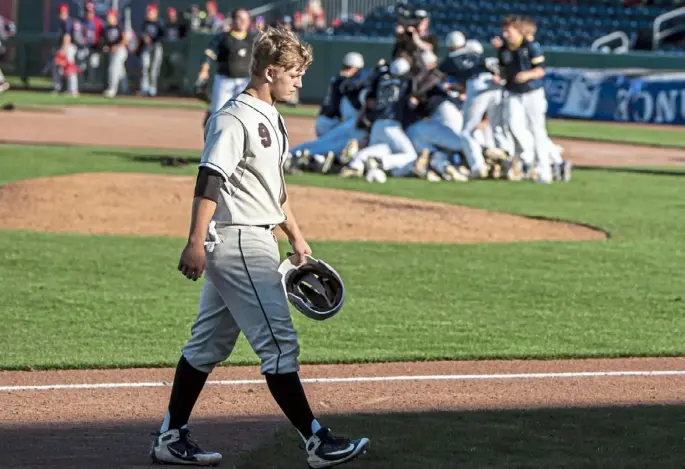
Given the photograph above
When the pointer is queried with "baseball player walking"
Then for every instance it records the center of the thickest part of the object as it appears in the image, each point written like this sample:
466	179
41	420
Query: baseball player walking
151	52
116	45
231	51
522	68
240	197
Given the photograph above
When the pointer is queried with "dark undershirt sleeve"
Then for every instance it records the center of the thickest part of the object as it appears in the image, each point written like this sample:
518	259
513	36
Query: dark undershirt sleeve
208	183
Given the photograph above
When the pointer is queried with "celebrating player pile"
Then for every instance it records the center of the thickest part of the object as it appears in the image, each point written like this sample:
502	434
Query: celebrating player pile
467	117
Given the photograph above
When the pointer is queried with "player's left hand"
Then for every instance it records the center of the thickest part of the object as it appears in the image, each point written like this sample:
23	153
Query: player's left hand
300	249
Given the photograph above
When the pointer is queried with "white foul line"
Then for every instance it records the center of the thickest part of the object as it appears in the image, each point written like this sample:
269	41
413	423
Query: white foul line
358	379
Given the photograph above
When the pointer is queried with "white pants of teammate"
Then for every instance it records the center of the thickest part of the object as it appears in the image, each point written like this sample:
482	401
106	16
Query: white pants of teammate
72	81
347	110
526	119
325	124
224	89
117	68
477	104
431	135
151	64
334	141
449	115
388	143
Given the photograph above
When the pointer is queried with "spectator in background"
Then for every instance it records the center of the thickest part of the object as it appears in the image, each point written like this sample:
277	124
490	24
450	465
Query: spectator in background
211	20
175	30
286	23
151	51
7	29
193	17
259	23
88	55
64	61
316	15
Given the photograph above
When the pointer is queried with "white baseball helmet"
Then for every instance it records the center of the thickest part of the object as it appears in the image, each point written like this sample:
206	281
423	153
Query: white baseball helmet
456	39
353	59
399	66
315	289
474	46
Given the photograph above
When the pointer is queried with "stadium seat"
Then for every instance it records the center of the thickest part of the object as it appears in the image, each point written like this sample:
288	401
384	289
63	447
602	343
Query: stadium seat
559	24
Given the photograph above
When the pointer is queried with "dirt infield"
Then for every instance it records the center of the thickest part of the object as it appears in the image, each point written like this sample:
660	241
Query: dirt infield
88	425
135	127
105	207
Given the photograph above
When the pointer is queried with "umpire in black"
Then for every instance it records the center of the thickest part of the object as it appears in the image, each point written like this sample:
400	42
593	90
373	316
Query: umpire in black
231	50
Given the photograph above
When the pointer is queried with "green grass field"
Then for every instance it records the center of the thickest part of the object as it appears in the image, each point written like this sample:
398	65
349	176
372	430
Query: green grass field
77	301
620	297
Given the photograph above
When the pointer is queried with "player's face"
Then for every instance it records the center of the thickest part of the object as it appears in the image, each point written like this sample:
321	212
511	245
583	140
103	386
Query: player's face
152	15
285	82
112	20
242	21
511	34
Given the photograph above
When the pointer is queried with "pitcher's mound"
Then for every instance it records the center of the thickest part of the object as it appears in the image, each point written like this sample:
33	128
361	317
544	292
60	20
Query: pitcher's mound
146	204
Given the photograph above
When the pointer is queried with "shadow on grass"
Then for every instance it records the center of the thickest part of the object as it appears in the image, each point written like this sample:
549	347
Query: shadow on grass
606	437
602	437
649	171
161	159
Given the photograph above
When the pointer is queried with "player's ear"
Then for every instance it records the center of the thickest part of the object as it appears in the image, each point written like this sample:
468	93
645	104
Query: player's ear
270	74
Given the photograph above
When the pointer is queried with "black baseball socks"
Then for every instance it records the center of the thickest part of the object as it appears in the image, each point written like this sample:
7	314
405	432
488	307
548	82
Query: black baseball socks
289	395
188	384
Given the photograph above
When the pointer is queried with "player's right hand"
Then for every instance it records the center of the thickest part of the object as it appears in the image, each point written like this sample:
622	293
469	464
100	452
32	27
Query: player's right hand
192	262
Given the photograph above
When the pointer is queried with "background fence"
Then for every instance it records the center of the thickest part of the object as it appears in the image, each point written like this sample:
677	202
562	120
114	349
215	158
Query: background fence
626	91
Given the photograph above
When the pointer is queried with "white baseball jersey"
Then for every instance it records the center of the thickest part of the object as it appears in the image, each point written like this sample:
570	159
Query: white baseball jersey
246	142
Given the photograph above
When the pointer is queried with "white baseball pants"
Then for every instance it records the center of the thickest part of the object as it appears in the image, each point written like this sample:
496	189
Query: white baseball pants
431	135
526	114
225	88
334	141
243	292
389	143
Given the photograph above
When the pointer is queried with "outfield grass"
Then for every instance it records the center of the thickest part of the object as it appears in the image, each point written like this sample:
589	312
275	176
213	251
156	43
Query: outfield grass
670	136
73	294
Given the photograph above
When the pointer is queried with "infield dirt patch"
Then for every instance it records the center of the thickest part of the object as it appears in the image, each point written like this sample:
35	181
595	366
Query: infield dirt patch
102	203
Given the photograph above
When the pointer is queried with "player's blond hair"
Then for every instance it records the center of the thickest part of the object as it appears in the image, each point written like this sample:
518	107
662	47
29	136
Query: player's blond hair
281	48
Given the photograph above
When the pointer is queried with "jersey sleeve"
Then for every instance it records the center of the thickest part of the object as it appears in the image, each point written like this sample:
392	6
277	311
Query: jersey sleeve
225	143
212	52
535	54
